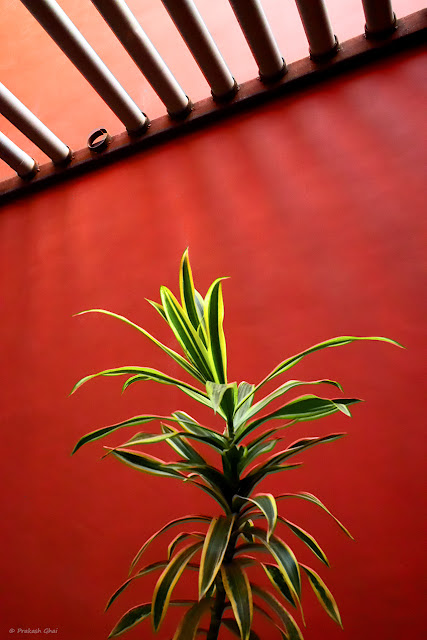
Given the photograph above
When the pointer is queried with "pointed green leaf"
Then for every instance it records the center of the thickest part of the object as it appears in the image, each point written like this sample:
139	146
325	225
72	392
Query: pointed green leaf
143	374
311	498
277	580
333	342
214	477
267	504
214	317
131	619
187	628
187	366
284	388
146	570
308	407
186	334
249	482
167	581
186	288
190	425
213	551
105	431
232	626
238	590
323	594
216	393
292	629
244	400
166	527
182	446
285	559
158	307
294	449
146	463
307	539
179	538
214	493
200	308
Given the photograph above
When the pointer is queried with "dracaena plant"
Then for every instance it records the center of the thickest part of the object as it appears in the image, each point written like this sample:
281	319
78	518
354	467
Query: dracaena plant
224	548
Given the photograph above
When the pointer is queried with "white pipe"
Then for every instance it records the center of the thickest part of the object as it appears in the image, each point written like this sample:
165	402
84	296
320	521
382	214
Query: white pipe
189	23
126	27
379	16
260	38
60	28
25	120
317	27
18	160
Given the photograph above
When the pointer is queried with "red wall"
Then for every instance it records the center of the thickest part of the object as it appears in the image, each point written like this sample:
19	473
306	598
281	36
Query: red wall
314	205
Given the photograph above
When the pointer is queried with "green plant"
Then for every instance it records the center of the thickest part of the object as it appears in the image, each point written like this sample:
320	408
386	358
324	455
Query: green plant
227	545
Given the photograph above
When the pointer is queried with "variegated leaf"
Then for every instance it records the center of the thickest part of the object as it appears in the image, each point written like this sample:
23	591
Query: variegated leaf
187	366
277	580
238	590
213	552
146	463
308	407
323	594
167	581
311	498
187	292
307	539
187	335
292	629
267	504
131	618
166	527
187	628
214	318
333	342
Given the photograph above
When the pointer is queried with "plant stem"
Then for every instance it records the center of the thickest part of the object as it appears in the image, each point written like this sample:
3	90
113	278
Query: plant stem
217	611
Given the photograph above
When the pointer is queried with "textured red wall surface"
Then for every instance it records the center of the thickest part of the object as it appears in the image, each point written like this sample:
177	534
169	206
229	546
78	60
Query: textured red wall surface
314	205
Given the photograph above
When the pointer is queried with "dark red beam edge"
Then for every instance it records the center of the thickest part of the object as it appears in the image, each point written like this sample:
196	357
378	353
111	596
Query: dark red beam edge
410	32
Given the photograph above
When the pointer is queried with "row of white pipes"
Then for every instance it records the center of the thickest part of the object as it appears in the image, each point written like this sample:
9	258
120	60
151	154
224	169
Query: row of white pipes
186	17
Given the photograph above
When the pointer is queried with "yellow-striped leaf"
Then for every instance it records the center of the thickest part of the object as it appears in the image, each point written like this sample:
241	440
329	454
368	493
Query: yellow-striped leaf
191	426
308	407
323	594
307	539
145	463
187	366
142	572
333	342
186	334
186	288
238	590
214	548
131	618
311	498
292	629
285	559
187	628
182	446
232	626
266	503
167	581
105	431
179	538
214	318
166	527
276	578
216	392
158	307
280	391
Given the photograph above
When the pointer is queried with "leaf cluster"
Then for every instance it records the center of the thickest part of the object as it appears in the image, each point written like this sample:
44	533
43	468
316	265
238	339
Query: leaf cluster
225	548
